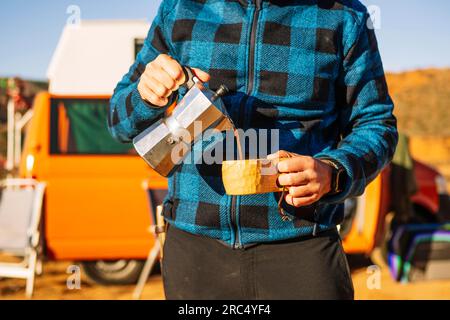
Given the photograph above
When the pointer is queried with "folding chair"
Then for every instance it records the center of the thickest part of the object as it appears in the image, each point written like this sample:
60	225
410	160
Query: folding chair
155	197
20	215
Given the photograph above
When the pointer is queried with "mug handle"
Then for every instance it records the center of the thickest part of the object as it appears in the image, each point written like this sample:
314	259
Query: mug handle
285	217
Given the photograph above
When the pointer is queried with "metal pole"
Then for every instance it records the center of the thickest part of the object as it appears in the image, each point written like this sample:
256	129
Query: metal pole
10	141
21	122
17	140
149	264
154	254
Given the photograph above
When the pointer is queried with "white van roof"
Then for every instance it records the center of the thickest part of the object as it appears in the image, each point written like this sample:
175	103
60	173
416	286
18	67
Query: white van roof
92	57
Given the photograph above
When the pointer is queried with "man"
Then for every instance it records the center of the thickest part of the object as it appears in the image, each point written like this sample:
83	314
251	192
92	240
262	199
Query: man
310	69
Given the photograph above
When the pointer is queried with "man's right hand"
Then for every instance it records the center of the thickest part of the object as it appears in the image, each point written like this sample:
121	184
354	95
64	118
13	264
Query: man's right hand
162	77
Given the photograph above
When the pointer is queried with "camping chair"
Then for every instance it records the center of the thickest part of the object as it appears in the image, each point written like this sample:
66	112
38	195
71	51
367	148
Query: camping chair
20	216
155	197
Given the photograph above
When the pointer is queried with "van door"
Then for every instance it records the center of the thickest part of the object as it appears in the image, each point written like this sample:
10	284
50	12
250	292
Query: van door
96	203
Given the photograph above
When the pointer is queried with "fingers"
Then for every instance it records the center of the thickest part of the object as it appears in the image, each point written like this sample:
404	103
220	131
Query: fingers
304	191
202	75
296	164
306	178
301	202
148	95
279	155
293	179
156	86
298	178
171	67
162	77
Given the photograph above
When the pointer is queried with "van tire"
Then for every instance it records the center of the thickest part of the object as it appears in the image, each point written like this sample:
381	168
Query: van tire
119	272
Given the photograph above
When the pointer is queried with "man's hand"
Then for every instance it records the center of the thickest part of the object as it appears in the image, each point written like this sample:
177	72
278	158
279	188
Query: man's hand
162	77
306	178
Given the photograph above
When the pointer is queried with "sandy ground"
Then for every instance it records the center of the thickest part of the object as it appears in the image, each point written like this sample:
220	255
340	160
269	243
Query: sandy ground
52	285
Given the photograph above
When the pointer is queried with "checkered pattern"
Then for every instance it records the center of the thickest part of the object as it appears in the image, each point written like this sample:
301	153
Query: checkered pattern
317	77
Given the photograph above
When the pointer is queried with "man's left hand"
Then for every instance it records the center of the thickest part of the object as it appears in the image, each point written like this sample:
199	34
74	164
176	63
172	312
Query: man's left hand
306	178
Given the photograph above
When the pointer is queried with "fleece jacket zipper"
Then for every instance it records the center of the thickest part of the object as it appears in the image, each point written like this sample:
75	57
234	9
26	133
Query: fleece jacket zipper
250	87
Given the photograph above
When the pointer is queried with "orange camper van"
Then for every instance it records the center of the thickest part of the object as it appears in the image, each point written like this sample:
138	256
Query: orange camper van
96	207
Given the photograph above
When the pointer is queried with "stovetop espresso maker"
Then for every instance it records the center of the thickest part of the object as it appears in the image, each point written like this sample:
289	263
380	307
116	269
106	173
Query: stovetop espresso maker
166	143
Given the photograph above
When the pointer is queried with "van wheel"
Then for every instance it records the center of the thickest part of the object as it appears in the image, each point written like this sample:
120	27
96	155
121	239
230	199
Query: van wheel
120	272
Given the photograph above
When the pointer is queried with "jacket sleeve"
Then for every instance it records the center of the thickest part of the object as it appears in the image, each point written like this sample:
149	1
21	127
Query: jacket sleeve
367	125
129	114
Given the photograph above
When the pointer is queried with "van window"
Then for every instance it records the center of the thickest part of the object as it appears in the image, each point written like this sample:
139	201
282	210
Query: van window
79	127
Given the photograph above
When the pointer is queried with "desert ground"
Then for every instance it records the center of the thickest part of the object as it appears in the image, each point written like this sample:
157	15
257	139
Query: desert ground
52	286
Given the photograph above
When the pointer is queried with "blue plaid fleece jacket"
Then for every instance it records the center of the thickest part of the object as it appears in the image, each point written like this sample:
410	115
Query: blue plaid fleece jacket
309	68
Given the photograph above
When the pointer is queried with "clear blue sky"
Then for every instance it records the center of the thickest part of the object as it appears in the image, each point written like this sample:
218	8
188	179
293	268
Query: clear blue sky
413	34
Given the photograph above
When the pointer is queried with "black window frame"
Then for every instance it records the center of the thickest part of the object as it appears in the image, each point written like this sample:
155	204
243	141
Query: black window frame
54	149
138	45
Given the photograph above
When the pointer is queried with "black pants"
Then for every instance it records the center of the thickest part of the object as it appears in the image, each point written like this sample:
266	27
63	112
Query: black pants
199	268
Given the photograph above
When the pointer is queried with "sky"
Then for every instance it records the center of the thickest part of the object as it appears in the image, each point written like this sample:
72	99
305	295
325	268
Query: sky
413	33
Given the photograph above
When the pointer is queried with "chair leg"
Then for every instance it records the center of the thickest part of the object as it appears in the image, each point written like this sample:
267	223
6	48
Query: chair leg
39	266
31	274
151	260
